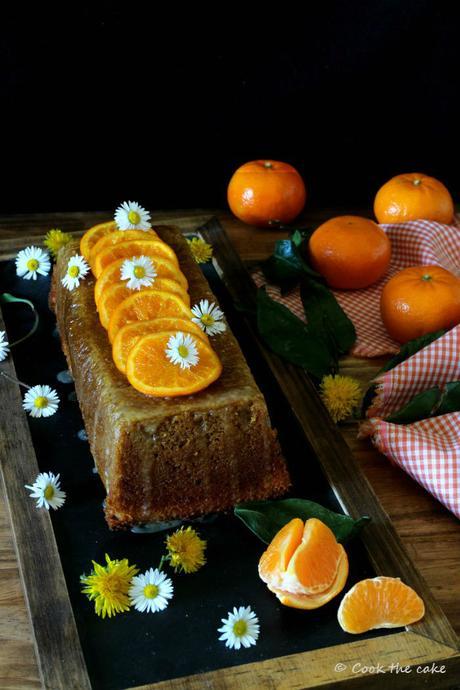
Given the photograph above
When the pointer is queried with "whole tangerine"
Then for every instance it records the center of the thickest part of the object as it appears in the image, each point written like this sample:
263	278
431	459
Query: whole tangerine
266	192
350	252
413	196
420	300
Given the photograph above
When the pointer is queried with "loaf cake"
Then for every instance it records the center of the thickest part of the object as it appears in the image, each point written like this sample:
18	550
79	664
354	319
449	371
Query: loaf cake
167	458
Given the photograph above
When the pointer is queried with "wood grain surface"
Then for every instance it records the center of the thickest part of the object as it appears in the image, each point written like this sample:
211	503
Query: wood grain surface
429	532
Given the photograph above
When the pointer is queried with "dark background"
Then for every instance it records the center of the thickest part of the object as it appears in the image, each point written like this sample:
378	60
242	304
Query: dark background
103	104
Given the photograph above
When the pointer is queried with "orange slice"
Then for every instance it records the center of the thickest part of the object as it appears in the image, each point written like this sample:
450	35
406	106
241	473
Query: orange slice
304	565
94	234
275	560
111	275
114	295
128	336
381	602
147	305
314	564
126	250
314	601
120	236
150	371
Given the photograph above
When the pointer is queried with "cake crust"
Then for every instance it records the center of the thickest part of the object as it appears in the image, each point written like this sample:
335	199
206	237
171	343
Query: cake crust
167	458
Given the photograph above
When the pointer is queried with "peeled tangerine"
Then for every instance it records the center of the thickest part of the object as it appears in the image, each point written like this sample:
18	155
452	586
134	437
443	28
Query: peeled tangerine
381	602
304	564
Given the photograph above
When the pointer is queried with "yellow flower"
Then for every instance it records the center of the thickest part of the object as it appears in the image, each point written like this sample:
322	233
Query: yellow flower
340	394
108	586
201	250
186	550
55	240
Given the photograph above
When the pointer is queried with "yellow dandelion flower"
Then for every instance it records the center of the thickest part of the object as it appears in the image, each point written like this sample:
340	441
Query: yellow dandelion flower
55	240
340	394
186	550
108	586
201	250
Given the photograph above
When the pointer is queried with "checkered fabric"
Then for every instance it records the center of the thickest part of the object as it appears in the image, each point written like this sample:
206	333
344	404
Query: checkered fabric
413	243
429	450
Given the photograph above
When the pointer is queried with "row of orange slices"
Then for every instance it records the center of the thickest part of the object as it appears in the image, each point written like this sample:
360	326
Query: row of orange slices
141	322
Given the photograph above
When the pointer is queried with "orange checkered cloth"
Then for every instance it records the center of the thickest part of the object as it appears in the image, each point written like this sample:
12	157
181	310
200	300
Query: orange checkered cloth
418	242
428	450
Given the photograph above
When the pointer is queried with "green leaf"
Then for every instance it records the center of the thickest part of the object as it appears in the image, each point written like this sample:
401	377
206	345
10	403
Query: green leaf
290	338
326	318
410	349
266	518
286	265
420	407
450	400
369	396
298	237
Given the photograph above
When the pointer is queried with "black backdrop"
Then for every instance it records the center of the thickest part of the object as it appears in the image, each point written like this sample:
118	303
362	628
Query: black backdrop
102	104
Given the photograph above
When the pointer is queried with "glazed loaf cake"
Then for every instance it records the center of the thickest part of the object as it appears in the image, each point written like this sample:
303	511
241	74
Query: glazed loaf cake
166	458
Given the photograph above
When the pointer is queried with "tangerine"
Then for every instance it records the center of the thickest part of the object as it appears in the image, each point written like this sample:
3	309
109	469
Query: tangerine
266	192
350	252
304	565
420	300
413	196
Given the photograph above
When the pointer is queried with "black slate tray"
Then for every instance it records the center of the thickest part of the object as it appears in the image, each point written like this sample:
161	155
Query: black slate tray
134	648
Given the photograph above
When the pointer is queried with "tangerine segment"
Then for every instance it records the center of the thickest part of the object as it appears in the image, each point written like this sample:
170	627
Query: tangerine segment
147	305
313	566
128	335
126	250
114	295
94	234
275	560
120	236
111	275
151	372
381	602
314	601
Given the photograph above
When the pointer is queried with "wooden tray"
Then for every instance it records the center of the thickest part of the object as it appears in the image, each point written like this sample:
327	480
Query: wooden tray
58	647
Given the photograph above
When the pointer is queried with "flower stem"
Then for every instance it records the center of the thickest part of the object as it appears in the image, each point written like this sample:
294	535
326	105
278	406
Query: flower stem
9	299
13	380
163	560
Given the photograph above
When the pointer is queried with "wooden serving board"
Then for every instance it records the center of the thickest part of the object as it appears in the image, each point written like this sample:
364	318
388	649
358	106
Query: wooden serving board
421	521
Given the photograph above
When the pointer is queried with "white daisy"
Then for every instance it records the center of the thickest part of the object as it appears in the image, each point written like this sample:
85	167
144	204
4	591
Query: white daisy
151	591
131	216
138	271
209	317
47	490
41	401
4	346
182	350
32	261
77	269
240	628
